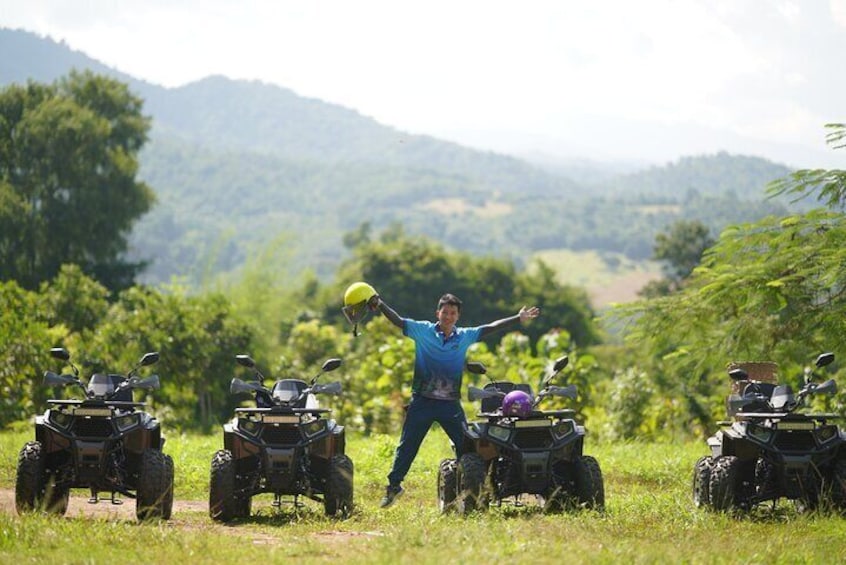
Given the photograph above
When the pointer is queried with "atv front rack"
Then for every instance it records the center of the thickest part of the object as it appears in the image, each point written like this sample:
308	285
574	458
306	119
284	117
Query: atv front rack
284	411
536	415
98	403
745	416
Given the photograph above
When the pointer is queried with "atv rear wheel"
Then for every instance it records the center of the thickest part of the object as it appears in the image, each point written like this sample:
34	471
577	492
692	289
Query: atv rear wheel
154	486
701	481
223	506
29	484
590	488
724	483
470	480
447	486
338	498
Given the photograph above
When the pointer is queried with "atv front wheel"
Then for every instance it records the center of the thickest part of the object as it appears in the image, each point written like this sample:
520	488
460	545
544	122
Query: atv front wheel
701	481
470	480
724	483
447	486
29	484
590	488
56	498
560	495
154	486
338	498
167	507
809	496
222	504
837	490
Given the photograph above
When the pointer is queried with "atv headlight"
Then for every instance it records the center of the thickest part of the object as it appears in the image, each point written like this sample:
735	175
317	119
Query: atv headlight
499	433
562	429
127	421
60	419
248	426
314	427
826	433
759	433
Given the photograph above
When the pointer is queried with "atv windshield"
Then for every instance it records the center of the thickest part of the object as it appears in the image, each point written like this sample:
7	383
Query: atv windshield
288	390
103	386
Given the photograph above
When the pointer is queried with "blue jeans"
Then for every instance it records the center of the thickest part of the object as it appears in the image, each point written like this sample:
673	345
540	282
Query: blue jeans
422	412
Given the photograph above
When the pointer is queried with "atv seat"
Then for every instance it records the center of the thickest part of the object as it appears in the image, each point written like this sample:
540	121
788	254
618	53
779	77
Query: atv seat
493	404
285	391
103	386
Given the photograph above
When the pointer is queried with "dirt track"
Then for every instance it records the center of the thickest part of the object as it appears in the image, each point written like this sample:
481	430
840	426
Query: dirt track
79	506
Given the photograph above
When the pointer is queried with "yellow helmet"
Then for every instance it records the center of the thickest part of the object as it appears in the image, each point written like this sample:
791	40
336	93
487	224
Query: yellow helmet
355	301
358	292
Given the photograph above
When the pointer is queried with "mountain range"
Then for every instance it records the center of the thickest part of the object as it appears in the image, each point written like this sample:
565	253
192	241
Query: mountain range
243	167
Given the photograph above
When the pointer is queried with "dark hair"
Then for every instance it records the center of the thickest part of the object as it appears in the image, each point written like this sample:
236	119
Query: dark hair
450	299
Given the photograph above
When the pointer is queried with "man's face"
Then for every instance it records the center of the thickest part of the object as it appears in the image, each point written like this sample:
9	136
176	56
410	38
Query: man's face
448	316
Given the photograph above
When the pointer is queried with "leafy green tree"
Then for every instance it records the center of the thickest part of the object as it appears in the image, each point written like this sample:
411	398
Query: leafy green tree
829	184
682	247
25	342
680	250
73	299
68	192
772	290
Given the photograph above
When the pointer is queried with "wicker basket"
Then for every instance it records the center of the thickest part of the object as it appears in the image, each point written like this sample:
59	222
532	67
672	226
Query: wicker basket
760	371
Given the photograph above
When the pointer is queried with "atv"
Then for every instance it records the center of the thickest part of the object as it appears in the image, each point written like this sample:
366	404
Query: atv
286	445
105	443
769	450
505	456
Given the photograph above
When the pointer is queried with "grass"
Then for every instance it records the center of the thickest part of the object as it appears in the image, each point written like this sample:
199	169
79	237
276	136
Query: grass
649	519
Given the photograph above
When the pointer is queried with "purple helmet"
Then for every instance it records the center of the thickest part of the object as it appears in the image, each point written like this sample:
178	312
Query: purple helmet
517	403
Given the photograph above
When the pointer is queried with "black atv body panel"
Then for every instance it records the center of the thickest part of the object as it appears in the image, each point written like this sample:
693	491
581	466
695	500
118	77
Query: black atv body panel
283	450
96	444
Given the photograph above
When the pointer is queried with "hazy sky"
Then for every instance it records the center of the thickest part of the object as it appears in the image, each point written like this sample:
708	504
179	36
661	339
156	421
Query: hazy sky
600	79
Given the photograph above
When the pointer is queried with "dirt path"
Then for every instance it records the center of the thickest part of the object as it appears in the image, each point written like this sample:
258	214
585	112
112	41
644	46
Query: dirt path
79	506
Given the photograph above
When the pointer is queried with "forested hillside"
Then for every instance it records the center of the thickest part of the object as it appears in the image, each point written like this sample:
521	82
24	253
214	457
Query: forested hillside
238	167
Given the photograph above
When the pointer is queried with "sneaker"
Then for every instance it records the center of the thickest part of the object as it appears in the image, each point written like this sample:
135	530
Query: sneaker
392	493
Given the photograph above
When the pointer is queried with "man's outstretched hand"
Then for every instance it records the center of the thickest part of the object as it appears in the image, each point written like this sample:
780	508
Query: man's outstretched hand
527	314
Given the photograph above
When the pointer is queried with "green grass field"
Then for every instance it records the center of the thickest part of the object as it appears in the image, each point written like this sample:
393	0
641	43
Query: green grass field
649	519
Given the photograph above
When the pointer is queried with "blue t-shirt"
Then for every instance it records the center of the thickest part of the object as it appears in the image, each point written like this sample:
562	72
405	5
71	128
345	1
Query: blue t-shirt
438	362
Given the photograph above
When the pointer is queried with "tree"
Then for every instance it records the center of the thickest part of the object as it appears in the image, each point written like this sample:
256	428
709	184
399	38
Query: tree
25	342
774	290
413	273
74	300
68	192
830	184
681	251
